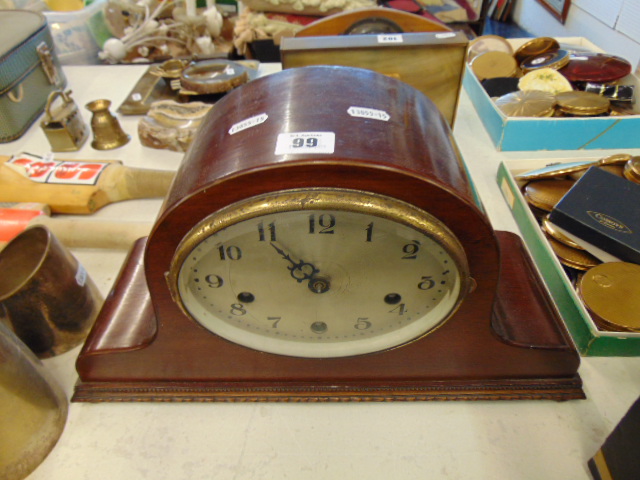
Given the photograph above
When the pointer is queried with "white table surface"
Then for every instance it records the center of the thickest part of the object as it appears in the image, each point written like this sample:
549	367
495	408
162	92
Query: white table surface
451	440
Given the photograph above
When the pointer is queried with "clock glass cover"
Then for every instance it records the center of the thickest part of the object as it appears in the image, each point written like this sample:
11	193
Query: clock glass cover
320	273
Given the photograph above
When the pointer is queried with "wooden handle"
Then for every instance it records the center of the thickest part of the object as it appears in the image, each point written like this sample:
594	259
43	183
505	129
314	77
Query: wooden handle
84	233
129	183
114	183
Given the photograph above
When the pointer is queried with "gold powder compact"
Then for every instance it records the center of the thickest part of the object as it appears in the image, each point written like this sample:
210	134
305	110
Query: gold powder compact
611	293
545	80
494	64
632	169
531	103
545	194
555	59
535	47
582	104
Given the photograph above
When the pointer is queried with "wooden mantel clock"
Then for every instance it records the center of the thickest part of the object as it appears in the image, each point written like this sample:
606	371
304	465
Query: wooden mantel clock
322	242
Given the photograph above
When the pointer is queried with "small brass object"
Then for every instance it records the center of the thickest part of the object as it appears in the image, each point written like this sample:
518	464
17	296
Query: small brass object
611	293
545	194
107	132
555	60
532	103
494	64
572	257
63	124
555	170
551	230
632	169
582	104
536	47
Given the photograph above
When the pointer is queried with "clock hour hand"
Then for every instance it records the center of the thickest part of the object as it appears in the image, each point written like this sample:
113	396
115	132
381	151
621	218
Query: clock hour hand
301	270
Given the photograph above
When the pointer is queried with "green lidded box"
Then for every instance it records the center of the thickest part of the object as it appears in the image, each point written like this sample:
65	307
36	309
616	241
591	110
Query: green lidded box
589	340
29	70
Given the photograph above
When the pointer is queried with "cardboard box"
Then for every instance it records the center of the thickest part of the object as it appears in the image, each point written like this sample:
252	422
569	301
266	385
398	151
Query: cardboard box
601	209
588	339
554	133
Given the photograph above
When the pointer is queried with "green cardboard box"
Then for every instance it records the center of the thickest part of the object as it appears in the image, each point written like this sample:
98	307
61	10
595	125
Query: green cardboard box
588	339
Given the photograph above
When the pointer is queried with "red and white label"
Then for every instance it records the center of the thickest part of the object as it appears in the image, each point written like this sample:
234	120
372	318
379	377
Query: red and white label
48	170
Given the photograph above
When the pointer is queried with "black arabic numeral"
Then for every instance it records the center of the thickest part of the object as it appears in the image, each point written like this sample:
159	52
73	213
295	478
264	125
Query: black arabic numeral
229	253
237	309
214	281
362	323
270	230
325	223
410	250
426	283
369	230
400	309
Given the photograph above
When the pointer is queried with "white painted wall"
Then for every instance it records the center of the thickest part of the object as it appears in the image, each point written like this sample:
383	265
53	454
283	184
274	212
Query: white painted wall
596	26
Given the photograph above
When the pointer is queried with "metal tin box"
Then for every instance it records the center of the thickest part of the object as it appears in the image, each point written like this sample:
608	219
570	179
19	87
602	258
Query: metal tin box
29	70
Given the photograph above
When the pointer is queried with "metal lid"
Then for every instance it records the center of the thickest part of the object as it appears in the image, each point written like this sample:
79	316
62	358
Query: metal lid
582	103
555	59
545	80
545	194
488	43
556	170
551	230
494	64
611	293
531	103
535	47
16	26
632	170
596	67
572	257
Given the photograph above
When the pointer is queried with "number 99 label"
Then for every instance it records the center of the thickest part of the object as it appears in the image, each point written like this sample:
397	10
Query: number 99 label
305	142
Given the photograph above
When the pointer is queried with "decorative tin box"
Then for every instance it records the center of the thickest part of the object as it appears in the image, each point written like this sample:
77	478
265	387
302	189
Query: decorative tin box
29	70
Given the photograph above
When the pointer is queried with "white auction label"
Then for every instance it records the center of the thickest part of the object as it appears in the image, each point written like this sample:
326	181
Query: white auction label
305	142
248	123
390	38
81	275
363	112
445	35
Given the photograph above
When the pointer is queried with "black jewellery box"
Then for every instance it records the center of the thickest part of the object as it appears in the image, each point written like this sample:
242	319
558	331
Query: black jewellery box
601	213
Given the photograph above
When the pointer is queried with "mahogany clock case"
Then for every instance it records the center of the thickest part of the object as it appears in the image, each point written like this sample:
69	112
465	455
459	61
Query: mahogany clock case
505	341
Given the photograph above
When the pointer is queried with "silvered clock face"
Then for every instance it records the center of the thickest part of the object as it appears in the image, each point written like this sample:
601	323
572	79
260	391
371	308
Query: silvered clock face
320	273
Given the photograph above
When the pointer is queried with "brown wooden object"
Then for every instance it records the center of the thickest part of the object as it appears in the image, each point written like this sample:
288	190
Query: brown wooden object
432	62
77	187
506	341
341	23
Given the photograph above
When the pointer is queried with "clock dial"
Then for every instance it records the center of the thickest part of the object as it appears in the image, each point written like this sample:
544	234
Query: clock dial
329	273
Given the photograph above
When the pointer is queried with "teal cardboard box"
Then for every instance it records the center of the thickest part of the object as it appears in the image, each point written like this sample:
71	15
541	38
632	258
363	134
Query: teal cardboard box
589	340
554	133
